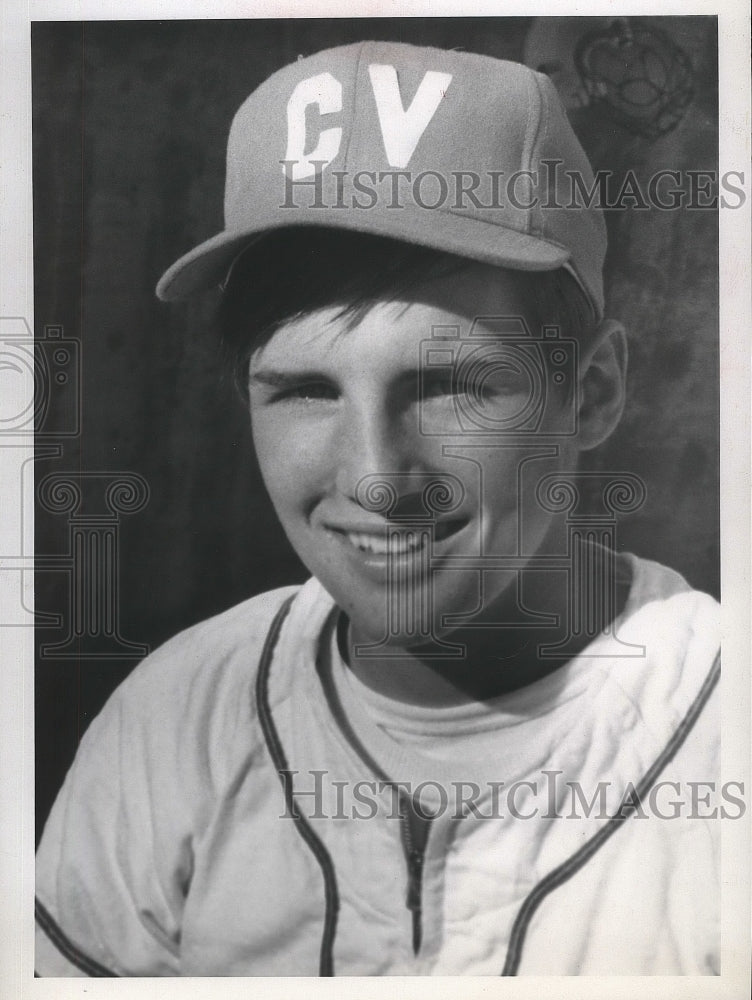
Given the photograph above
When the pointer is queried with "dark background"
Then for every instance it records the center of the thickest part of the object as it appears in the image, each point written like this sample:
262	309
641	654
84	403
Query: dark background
130	122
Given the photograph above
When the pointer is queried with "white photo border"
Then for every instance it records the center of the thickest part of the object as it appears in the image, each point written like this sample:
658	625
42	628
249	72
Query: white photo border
16	703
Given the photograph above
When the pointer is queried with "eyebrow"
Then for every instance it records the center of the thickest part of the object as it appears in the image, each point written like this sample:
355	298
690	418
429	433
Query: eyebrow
279	380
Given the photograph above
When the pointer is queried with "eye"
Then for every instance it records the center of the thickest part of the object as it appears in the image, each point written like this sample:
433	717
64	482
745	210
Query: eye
442	383
306	392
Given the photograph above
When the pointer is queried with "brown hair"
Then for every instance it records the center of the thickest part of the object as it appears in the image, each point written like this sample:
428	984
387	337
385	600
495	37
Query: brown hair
295	271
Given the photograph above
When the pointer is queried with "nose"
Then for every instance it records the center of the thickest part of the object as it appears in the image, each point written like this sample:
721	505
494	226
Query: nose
373	441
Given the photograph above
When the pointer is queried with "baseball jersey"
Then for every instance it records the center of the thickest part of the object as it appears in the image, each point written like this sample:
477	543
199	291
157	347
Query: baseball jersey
241	806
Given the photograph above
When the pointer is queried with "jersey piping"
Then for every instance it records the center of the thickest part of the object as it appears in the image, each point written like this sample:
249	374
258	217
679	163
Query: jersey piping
274	744
578	860
66	947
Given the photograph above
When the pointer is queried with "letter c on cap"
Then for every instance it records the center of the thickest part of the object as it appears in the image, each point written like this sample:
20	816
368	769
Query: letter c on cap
325	91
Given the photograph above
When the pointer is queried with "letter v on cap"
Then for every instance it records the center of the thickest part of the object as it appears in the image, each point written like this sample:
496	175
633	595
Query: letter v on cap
401	129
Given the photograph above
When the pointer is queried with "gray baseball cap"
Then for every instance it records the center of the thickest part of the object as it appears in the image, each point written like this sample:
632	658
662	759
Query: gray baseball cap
450	150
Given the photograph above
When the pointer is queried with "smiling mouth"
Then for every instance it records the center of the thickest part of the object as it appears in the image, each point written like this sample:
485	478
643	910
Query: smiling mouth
398	542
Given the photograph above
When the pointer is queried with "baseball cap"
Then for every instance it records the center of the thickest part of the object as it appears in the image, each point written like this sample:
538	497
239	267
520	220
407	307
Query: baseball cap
447	149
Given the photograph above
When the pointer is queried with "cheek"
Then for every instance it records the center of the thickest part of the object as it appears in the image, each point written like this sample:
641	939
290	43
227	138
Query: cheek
288	467
514	519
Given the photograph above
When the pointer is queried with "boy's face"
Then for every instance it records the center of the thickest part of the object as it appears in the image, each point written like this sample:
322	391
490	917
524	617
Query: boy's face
334	401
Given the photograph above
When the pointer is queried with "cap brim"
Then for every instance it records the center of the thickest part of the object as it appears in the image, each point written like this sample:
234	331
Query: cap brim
207	264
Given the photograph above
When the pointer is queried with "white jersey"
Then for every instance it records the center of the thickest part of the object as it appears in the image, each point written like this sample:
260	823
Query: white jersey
238	809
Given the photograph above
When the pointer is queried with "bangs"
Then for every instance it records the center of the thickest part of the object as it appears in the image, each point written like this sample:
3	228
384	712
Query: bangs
293	272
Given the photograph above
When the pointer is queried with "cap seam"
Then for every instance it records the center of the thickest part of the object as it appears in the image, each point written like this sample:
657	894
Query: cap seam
540	139
534	120
351	132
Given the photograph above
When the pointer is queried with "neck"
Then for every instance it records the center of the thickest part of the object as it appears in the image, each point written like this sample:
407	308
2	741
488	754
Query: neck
496	659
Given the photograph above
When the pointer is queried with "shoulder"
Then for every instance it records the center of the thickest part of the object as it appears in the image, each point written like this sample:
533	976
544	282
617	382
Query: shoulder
652	581
190	705
674	620
217	648
187	714
666	663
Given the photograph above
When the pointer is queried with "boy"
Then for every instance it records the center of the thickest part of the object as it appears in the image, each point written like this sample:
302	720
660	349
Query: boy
448	752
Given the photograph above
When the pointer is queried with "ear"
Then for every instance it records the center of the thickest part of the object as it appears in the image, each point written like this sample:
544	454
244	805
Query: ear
601	384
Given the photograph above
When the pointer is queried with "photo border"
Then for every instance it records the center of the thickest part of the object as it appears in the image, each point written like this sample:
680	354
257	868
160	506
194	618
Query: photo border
16	705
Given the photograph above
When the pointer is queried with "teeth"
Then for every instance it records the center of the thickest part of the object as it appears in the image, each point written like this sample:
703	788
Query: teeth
397	545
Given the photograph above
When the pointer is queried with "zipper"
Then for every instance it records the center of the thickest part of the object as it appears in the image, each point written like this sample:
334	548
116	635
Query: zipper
414	830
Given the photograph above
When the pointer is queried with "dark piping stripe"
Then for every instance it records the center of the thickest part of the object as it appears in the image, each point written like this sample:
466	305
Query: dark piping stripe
273	742
572	865
66	947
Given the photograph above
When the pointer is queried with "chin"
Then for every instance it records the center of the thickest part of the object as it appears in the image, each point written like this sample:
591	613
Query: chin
416	621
